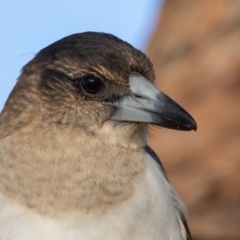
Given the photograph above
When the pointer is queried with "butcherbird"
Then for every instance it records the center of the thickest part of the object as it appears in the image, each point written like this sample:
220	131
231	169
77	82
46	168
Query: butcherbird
74	159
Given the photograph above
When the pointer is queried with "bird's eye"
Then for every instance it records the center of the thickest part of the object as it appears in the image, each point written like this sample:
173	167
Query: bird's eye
91	85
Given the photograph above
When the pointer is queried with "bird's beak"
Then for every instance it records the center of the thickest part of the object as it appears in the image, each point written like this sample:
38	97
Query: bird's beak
148	104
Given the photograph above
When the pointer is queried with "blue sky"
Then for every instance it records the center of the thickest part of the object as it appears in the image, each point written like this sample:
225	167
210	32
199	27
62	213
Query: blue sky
27	26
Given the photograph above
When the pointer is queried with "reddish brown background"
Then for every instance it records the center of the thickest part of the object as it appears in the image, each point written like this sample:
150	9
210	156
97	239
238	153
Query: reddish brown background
196	53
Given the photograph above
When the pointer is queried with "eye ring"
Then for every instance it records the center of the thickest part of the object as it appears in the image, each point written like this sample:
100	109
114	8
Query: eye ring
91	85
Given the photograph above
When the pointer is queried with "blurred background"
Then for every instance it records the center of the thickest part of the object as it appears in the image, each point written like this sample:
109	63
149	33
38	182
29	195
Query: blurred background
195	48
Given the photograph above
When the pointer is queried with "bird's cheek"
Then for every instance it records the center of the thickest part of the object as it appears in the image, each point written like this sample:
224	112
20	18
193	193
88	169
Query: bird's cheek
93	117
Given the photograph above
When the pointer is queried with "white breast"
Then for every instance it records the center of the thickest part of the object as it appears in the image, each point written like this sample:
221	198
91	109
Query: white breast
149	215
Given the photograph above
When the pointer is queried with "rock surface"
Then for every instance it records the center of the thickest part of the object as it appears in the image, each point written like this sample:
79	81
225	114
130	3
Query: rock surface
196	53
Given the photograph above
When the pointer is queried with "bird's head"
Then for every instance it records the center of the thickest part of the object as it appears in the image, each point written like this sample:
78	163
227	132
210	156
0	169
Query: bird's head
90	80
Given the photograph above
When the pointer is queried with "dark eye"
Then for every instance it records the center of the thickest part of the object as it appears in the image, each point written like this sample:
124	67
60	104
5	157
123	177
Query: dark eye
91	85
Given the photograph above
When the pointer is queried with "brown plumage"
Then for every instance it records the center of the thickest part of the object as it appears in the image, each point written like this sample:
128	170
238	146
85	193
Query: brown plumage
61	153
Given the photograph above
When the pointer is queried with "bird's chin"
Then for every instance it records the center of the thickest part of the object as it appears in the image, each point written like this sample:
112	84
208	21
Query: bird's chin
124	133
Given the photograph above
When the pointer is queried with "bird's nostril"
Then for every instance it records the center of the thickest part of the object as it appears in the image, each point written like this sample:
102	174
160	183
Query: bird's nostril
137	96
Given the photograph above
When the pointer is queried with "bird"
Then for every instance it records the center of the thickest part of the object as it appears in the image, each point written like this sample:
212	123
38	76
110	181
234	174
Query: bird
74	158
